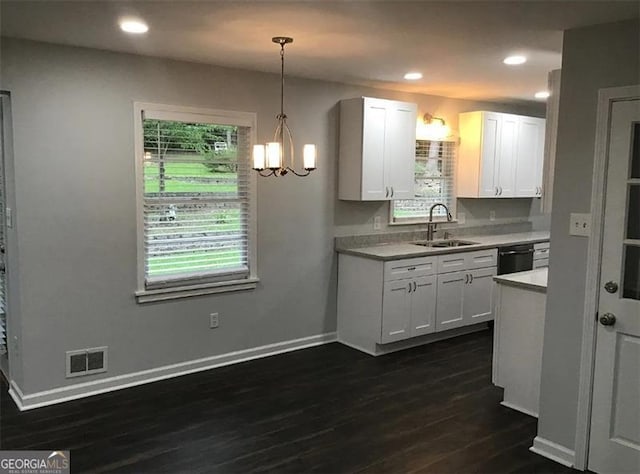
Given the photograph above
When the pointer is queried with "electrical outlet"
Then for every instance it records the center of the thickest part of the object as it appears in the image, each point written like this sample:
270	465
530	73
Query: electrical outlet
377	223
461	217
580	224
492	215
214	320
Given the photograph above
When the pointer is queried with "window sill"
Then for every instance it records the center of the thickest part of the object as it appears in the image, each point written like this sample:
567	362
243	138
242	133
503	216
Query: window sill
423	222
177	292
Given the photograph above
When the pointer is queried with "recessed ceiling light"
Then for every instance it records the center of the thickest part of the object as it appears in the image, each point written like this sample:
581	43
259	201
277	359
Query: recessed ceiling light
514	60
131	25
542	95
413	76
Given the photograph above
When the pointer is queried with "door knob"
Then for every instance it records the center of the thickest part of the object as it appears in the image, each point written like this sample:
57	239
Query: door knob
607	319
611	286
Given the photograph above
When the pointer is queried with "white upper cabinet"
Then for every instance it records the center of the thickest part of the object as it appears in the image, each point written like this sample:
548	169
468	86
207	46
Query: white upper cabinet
530	157
377	149
501	155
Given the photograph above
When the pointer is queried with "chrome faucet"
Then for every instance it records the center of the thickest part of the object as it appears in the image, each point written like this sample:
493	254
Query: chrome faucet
431	226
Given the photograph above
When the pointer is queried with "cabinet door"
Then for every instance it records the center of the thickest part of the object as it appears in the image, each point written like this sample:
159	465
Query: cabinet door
373	150
478	296
400	149
449	304
423	306
491	130
396	311
506	164
541	263
529	157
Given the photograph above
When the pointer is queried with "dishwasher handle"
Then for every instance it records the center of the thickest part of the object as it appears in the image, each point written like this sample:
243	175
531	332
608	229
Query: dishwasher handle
517	252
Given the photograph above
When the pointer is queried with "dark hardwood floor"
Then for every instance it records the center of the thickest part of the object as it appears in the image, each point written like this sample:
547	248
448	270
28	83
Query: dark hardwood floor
328	409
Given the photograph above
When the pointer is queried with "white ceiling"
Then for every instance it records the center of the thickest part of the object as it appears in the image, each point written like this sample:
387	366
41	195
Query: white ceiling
458	46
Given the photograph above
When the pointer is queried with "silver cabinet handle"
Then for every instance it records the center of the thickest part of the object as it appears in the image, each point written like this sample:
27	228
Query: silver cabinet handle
409	287
496	191
415	286
391	191
500	191
466	278
471	275
386	192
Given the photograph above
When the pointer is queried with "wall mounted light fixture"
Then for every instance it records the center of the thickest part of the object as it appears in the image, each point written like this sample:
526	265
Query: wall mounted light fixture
271	159
434	128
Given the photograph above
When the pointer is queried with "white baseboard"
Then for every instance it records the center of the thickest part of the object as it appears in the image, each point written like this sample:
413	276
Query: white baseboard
81	390
553	451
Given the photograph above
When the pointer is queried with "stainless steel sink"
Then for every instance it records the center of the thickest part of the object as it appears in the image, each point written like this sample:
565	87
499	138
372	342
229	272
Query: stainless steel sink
445	243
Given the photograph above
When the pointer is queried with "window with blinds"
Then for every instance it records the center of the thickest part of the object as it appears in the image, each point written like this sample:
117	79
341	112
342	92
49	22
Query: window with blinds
434	183
195	198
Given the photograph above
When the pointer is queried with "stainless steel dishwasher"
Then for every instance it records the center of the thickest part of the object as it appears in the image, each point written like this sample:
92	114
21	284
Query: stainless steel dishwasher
515	258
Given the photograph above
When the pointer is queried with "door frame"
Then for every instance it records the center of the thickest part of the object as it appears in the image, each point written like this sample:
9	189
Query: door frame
606	98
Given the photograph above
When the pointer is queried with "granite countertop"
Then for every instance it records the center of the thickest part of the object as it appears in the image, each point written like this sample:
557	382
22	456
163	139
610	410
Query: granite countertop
535	280
396	251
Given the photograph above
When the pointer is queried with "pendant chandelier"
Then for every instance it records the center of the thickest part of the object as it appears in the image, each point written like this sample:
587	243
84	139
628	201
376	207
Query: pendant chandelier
271	159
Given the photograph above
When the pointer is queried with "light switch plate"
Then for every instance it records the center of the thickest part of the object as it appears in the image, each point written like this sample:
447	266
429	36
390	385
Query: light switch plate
462	218
580	224
377	223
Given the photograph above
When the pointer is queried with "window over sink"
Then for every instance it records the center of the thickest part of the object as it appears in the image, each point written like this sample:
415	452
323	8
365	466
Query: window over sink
434	177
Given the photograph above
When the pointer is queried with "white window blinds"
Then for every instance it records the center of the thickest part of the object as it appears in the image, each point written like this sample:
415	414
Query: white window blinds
195	199
434	183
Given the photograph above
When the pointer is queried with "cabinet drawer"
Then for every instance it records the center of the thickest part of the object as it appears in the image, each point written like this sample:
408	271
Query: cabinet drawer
409	268
541	263
482	259
456	262
453	262
541	250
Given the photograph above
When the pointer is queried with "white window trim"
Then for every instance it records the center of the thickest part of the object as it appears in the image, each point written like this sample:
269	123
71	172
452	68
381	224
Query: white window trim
243	119
453	210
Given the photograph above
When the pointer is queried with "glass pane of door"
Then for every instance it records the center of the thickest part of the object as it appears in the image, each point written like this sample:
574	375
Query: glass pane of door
633	212
635	151
631	283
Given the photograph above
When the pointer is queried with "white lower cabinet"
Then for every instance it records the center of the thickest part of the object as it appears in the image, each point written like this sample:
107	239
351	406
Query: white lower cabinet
464	298
541	255
385	302
450	307
408	308
478	296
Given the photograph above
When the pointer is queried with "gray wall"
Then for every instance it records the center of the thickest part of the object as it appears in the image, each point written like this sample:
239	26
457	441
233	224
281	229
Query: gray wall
76	222
593	58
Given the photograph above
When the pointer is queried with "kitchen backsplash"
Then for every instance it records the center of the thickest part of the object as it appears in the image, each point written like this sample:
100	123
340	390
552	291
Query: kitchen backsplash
357	218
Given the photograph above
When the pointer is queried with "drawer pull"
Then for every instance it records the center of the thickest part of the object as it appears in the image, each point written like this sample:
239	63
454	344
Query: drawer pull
411	268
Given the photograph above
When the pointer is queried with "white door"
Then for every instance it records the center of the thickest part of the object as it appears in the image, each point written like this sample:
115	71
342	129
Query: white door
478	296
491	130
529	156
3	275
423	306
400	150
396	311
373	146
449	307
506	164
615	420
